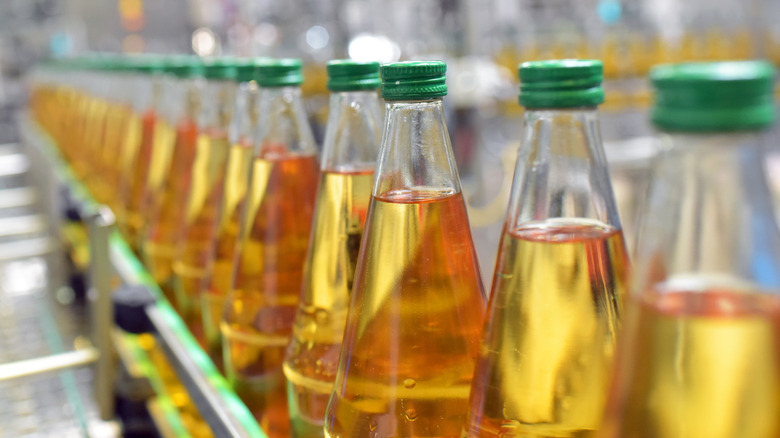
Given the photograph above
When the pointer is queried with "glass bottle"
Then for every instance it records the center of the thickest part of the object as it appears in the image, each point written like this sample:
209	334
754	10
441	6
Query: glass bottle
88	83
347	176
170	169
700	350
201	207
107	131
273	239
147	90
134	90
94	122
119	91
561	270
80	96
219	260
417	304
63	107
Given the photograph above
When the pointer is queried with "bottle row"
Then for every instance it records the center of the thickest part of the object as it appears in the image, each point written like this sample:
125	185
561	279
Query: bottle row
340	292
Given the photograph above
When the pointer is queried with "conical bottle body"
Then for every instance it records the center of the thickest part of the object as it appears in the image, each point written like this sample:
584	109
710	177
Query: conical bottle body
344	192
203	200
220	258
174	148
699	354
268	271
417	303
560	279
702	338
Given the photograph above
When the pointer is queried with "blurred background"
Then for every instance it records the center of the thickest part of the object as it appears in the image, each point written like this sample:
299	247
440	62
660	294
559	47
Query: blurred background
482	41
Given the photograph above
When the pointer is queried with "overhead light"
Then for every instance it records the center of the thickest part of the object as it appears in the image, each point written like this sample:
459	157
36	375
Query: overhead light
367	47
317	37
266	34
204	42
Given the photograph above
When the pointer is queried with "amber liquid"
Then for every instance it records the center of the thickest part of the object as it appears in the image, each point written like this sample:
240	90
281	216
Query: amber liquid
104	178
412	334
71	132
88	156
704	363
313	356
117	162
164	228
219	272
549	341
269	273
133	191
163	143
125	171
185	407
200	221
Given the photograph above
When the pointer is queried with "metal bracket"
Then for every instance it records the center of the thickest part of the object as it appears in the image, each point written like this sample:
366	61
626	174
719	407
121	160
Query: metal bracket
101	224
54	362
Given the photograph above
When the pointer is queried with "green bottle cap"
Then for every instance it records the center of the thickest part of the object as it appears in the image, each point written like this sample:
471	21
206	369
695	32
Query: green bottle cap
121	64
185	66
564	83
98	62
147	64
154	64
107	62
79	63
414	80
713	96
279	72
114	64
348	75
246	68
95	61
134	62
220	68
87	63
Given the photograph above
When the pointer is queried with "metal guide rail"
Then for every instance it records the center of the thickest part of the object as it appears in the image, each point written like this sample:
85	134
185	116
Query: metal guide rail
45	379
138	307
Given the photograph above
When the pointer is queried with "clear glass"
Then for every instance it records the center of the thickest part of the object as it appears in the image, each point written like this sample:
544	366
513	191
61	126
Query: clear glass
268	272
244	126
103	181
170	174
149	107
138	95
560	278
83	149
700	354
203	200
417	304
90	162
219	105
219	271
347	177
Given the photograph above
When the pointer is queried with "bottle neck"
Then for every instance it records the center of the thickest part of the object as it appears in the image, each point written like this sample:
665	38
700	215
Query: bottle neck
218	104
193	98
156	86
282	123
416	153
141	93
182	99
710	212
561	170
170	101
244	126
353	132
